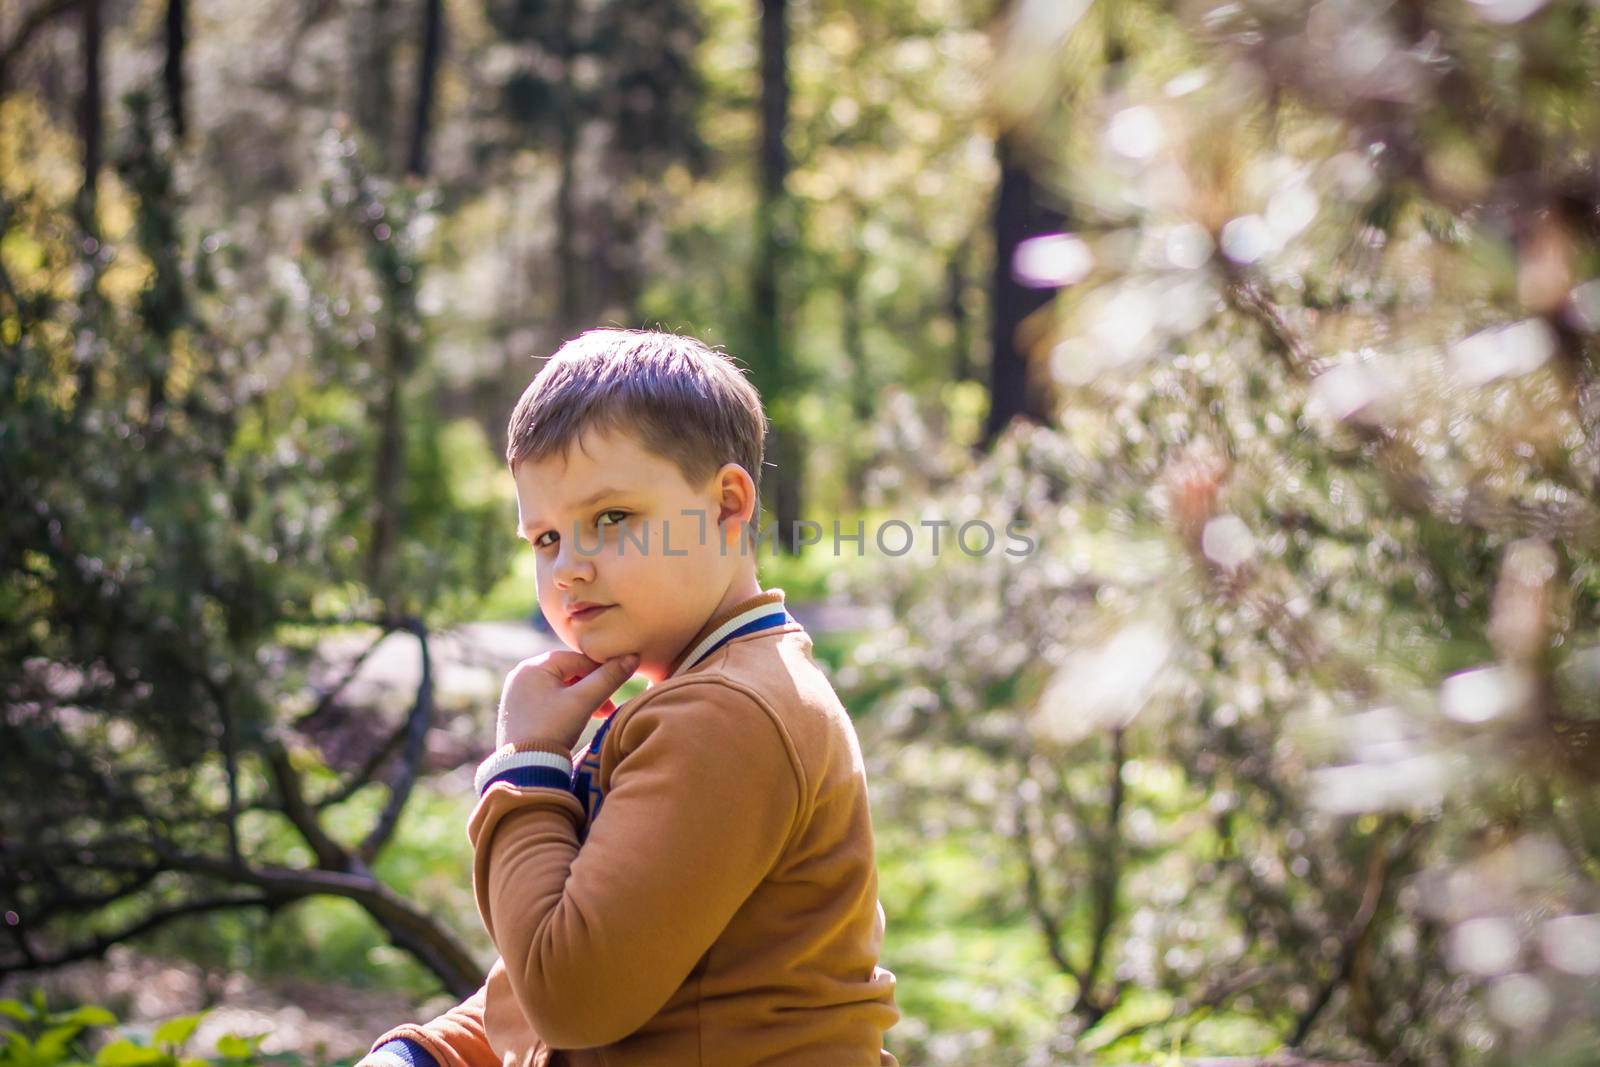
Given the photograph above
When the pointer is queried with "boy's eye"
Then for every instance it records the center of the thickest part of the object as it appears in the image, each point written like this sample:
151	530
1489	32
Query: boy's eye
540	542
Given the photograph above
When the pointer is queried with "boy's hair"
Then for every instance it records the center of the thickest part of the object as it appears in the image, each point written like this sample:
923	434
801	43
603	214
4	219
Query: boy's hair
681	399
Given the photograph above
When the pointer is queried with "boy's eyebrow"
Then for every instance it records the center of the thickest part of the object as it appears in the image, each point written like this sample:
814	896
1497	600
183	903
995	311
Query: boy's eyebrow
588	501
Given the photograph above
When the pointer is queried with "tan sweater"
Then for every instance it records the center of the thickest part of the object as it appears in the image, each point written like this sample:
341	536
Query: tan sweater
716	906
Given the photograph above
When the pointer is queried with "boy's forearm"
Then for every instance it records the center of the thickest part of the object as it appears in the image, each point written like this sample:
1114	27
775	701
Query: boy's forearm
593	947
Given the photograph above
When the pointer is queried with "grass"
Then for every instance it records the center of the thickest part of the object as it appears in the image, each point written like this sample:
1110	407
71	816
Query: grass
964	964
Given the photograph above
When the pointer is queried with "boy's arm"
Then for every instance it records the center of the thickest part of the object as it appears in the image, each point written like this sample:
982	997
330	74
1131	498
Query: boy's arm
454	1039
701	803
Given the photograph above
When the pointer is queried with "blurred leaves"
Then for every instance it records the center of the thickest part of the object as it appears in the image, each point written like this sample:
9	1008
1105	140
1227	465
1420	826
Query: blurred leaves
1329	404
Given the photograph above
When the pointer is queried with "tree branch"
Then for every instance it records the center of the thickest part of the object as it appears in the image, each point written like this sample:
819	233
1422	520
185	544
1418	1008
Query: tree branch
1362	923
326	699
1055	943
407	927
330	854
1108	875
96	946
230	757
1218	993
364	777
417	725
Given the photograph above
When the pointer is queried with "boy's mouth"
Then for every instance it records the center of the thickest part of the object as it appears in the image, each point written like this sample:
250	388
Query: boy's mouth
587	611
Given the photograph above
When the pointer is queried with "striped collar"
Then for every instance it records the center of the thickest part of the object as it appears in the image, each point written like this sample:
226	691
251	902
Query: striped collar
763	611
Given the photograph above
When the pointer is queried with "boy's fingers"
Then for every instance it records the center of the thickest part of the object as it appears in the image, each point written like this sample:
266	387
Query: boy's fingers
565	663
600	682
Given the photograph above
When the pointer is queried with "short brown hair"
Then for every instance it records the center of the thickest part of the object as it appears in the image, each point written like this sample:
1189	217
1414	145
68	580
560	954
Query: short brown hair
681	399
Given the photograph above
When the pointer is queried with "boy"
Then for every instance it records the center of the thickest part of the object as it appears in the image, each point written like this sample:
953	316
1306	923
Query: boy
687	880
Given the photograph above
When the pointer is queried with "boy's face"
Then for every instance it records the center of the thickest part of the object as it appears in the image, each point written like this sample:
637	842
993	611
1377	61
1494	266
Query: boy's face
615	524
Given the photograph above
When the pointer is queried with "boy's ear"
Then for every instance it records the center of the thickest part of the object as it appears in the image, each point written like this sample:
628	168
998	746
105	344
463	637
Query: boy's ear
736	494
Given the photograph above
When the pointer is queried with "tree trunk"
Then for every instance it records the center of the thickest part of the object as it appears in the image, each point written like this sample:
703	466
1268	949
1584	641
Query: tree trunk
86	205
427	75
90	112
172	72
569	313
1015	388
771	357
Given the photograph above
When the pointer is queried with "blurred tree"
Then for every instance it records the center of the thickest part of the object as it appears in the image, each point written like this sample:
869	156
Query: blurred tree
91	107
188	536
1017	385
1291	717
889	168
609	90
172	74
427	77
769	346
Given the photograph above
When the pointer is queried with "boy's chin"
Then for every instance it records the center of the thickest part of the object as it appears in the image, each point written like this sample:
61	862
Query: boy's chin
600	651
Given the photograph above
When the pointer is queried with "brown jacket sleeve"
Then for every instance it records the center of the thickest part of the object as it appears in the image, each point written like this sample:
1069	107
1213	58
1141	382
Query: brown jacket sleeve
704	797
454	1039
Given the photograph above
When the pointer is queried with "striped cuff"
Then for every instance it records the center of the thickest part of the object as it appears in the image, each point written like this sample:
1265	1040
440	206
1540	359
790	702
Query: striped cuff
401	1052
531	763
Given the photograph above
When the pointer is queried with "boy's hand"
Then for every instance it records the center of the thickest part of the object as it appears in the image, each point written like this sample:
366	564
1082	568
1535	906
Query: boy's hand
552	696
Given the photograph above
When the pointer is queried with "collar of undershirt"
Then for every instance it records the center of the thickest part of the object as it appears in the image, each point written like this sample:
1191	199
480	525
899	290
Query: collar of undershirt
763	611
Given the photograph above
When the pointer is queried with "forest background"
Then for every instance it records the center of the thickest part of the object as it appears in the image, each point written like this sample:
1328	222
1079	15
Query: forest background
1274	323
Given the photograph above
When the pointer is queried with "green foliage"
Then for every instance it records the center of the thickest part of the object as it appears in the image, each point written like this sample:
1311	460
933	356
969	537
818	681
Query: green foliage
38	1036
224	452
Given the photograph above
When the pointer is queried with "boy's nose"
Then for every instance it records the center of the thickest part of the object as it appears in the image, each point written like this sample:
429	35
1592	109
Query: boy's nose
571	564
